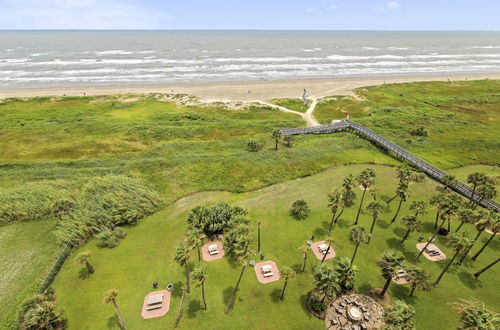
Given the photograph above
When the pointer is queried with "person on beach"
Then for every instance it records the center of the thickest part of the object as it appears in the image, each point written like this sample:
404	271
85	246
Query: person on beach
304	97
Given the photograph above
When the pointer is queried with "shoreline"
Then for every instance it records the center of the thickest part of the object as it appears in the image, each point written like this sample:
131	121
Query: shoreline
243	91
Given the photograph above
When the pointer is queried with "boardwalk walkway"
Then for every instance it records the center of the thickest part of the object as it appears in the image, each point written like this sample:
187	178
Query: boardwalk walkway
433	172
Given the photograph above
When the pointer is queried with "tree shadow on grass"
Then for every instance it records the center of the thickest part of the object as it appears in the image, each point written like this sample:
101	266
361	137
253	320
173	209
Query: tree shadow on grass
342	223
275	295
395	244
400	291
303	302
319	232
297	268
83	273
469	280
177	291
226	294
382	223
364	288
325	225
114	323
193	307
399	231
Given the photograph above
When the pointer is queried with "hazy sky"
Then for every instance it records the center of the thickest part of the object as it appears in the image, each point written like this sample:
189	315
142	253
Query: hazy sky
252	14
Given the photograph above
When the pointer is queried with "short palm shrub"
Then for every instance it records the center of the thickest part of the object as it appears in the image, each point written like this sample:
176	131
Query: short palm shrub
300	209
110	238
254	146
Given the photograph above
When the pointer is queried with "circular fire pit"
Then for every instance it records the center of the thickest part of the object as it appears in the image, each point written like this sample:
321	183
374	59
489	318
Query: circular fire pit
354	313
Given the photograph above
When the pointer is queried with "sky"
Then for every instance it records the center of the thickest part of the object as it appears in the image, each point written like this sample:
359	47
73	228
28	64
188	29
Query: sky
251	14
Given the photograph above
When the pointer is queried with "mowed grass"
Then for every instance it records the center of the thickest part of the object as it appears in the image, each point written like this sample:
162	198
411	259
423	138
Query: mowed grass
146	255
27	251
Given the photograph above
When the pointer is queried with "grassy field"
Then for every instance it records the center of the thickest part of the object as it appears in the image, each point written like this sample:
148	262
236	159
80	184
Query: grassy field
184	149
27	251
292	104
146	255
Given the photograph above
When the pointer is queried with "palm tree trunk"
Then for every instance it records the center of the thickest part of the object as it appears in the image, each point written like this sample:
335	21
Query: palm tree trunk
472	195
179	312
326	252
446	268
476	275
90	269
283	291
304	265
430	240
406	236
360	205
231	299
412	290
203	294
331	223
437	218
187	276
459	226
117	310
338	216
371	229
449	225
354	255
199	255
276	146
397	212
386	286
484	246
469	248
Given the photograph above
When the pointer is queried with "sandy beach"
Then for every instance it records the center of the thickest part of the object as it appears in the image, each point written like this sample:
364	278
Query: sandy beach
242	91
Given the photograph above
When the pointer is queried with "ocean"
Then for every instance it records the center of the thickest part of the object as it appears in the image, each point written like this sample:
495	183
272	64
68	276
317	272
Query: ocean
78	58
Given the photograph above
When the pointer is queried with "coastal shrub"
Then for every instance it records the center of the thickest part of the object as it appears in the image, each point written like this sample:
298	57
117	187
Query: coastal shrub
300	209
288	141
40	312
215	219
106	202
254	146
420	131
110	238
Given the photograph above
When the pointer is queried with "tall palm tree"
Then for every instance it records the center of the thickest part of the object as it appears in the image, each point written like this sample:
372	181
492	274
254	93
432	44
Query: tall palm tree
418	208
374	209
494	227
448	181
474	315
110	298
358	236
467	216
412	224
419	279
326	281
476	179
390	263
182	258
348	195
486	191
83	258
195	239
399	315
328	239
286	273
450	208
478	273
405	174
366	179
276	137
304	250
481	226
346	271
243	259
438	200
458	241
403	192
199	277
335	201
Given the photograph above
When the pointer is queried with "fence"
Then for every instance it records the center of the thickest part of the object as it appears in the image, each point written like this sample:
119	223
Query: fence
49	278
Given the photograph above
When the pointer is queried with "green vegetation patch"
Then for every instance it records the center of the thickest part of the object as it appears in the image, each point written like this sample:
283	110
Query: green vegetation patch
292	104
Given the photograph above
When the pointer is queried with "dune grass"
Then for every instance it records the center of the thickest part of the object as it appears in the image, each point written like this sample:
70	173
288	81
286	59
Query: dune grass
146	255
292	104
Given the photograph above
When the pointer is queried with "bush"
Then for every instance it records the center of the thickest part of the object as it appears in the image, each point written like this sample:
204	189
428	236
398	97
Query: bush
318	306
420	131
216	219
110	238
40	312
300	209
254	146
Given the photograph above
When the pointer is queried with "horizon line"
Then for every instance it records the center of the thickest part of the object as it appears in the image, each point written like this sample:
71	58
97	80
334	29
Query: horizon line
264	30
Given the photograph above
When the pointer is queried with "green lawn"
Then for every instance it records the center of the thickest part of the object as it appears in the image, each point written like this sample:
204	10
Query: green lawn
27	251
146	255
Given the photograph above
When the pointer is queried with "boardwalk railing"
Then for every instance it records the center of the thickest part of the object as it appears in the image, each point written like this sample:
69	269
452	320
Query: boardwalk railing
433	172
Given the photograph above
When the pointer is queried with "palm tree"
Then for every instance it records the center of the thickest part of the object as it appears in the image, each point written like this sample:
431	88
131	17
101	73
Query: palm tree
418	208
304	249
403	191
374	209
494	227
478	273
476	179
195	239
486	191
419	279
373	192
110	298
83	258
457	241
366	179
450	208
348	195
43	315
328	239
467	216
448	181
412	224
346	271
286	273
438	200
474	315
405	174
276	137
288	140
481	226
199	277
243	258
357	235
390	263
326	281
182	258
180	310
399	315
335	201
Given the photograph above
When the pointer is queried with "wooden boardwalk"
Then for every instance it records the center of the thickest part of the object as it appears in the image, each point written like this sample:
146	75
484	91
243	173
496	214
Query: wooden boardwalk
433	172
